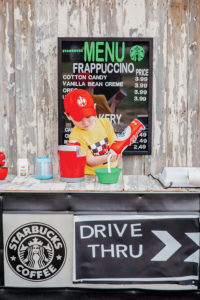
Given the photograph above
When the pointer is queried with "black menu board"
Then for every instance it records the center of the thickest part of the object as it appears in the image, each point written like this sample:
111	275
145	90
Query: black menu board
118	74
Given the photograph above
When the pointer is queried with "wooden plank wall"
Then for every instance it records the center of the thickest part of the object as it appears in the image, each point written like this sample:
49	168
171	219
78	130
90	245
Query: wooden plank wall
28	77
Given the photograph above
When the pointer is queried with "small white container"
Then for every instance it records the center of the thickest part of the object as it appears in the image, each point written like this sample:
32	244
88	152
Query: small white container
22	167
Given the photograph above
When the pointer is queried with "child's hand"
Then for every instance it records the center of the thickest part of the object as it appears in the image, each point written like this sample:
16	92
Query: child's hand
133	139
115	157
93	161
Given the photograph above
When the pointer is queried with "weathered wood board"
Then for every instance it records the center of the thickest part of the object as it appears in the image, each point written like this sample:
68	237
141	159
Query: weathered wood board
126	184
28	78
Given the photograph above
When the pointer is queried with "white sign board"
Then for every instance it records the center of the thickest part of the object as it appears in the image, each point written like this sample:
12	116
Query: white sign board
36	250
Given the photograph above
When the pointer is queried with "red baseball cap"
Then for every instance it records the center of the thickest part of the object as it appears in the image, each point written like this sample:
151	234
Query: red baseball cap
79	104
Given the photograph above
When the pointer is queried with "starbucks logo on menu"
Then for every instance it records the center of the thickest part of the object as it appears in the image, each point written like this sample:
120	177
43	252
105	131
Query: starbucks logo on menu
137	53
36	251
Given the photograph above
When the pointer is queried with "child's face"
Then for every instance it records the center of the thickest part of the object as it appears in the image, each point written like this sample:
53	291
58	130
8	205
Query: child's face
87	123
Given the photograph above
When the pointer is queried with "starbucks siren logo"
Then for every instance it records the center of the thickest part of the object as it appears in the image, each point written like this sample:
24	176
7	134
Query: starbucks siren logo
35	251
137	53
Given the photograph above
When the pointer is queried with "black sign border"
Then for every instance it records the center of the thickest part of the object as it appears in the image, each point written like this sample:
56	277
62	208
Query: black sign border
132	280
72	39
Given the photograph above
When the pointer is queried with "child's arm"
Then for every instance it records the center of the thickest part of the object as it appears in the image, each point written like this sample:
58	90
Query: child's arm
93	161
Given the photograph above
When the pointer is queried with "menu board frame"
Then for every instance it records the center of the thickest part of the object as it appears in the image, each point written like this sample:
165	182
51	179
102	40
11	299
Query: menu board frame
149	42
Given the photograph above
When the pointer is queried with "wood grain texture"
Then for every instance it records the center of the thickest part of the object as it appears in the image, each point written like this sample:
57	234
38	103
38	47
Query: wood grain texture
46	79
156	16
127	183
24	32
193	109
177	88
8	134
28	78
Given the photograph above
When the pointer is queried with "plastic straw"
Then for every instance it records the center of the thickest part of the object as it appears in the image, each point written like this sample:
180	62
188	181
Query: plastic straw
108	160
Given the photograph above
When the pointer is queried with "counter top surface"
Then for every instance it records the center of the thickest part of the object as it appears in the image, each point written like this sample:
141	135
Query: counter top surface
126	183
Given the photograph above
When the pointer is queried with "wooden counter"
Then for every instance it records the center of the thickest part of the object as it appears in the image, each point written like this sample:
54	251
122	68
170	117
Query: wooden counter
126	183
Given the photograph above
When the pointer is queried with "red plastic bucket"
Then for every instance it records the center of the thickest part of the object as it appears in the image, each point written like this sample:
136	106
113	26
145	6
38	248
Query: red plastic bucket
3	173
72	166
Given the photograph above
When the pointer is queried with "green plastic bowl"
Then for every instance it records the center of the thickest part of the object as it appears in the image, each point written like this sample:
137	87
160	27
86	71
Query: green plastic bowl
107	178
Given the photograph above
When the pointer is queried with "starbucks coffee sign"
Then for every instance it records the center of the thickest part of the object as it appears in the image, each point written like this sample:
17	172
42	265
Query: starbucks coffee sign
36	251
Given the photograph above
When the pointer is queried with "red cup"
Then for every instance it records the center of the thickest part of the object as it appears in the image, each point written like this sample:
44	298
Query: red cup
3	173
72	166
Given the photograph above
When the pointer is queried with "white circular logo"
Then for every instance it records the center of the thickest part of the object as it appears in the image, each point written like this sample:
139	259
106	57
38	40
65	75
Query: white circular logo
82	102
36	251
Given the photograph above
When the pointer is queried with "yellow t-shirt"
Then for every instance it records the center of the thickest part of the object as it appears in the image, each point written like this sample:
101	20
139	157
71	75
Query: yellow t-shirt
95	141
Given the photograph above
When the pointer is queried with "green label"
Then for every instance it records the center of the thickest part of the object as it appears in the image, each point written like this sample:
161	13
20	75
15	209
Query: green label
72	50
104	51
137	53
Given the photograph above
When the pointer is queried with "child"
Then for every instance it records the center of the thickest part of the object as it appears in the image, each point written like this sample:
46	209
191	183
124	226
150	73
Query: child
95	135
